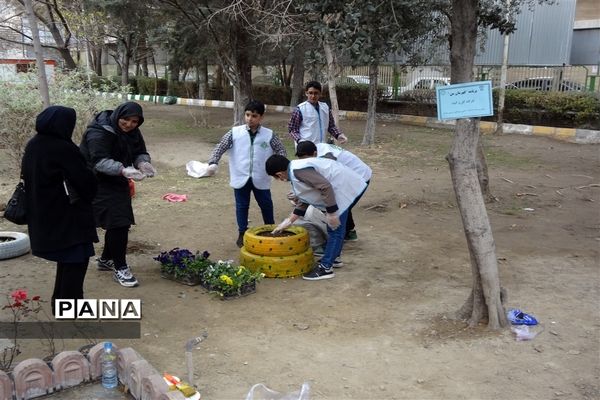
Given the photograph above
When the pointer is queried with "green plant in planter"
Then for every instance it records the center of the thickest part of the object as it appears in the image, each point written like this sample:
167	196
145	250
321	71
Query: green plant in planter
229	280
182	264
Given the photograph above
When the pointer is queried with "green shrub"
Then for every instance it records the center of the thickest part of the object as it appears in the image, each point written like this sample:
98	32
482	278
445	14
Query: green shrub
271	94
568	109
148	86
21	102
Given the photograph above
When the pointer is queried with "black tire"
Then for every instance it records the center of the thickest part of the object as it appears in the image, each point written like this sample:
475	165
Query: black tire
13	244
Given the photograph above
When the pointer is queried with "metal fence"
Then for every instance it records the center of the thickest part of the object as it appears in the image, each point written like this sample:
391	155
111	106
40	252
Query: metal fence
398	79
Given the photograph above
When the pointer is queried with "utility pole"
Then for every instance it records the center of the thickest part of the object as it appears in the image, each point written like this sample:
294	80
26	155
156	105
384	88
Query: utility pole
503	74
39	55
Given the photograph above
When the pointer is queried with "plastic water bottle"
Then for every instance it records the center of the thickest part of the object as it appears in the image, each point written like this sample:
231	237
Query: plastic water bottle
109	367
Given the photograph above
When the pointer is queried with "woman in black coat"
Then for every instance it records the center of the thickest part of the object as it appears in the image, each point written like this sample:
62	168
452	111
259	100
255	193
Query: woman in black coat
59	191
115	149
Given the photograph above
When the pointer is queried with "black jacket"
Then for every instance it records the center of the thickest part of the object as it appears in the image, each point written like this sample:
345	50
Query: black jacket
107	151
52	160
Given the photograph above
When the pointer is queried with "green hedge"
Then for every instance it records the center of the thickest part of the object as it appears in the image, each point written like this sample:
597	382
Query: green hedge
187	89
562	109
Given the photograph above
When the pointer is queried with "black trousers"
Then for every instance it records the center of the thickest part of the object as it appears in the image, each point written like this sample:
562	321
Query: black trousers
69	280
115	246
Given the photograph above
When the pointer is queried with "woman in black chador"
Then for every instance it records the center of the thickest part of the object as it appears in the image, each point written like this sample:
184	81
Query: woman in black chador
59	192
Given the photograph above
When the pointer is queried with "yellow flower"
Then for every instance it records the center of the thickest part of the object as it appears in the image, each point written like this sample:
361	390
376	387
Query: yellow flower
240	270
226	279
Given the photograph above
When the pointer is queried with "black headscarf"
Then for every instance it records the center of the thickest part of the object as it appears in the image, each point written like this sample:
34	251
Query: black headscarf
128	109
56	121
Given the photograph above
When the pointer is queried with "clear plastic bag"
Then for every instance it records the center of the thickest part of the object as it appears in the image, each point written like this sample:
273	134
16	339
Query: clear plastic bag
261	392
523	332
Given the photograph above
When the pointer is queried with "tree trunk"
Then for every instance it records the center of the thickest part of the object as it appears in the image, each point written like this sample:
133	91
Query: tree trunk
335	108
502	91
97	51
70	63
39	54
482	174
62	44
298	77
145	71
127	43
242	74
369	136
203	78
125	69
484	300
155	77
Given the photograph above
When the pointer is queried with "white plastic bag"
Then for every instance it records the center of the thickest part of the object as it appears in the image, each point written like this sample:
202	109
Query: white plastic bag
261	392
196	169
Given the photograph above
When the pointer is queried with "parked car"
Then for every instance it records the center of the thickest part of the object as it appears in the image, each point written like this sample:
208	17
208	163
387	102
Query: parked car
546	84
425	82
358	79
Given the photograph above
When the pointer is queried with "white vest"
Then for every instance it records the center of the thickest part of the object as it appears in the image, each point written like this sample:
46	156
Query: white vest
247	160
346	158
314	124
347	184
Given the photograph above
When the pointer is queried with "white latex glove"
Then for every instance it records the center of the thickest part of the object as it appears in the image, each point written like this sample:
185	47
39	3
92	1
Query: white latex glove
333	221
147	169
342	139
132	173
212	170
282	226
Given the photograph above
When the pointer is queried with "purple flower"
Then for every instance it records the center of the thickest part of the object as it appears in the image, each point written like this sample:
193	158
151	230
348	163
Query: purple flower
176	257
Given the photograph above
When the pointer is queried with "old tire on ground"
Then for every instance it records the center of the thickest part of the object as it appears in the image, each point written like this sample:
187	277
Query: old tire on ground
276	246
13	244
279	266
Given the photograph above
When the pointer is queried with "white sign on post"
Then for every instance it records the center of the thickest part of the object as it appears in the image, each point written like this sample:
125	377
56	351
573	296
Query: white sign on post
464	100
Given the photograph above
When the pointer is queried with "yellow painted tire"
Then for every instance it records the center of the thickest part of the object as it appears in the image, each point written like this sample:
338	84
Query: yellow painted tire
278	267
276	246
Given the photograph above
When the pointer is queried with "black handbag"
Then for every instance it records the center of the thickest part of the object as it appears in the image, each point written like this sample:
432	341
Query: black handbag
15	210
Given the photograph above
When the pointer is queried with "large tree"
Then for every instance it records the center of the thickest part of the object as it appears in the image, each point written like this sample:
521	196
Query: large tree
368	31
466	16
227	25
50	14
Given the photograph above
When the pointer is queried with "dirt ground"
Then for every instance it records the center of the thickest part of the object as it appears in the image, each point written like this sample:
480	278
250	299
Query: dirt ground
383	328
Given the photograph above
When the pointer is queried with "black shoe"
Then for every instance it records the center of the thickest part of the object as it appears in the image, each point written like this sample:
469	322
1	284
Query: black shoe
351	236
105	265
319	272
240	240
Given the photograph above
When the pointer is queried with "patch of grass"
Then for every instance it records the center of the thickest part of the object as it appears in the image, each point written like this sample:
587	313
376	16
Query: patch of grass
497	157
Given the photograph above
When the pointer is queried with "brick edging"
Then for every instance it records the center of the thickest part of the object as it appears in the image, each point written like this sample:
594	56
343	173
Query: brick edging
572	135
34	377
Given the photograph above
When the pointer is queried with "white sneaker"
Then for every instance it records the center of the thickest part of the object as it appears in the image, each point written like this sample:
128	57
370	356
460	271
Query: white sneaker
125	277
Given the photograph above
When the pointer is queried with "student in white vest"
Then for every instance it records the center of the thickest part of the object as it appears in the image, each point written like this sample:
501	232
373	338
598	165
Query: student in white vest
312	120
327	185
345	157
250	144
